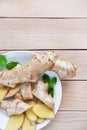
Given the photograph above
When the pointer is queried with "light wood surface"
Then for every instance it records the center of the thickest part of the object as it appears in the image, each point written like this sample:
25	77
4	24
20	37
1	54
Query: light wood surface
43	8
74	96
60	25
43	33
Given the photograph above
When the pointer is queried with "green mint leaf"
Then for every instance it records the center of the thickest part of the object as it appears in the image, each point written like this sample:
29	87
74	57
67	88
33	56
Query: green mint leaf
51	91
11	65
51	85
46	78
3	60
54	80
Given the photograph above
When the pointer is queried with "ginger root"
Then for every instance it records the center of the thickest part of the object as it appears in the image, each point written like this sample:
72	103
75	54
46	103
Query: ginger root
14	107
37	65
41	92
64	69
27	92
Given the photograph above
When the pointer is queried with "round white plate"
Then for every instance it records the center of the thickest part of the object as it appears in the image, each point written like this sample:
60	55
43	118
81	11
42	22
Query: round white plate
23	57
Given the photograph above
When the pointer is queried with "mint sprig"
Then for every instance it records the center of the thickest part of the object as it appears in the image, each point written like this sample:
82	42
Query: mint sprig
51	82
51	91
3	61
11	65
46	78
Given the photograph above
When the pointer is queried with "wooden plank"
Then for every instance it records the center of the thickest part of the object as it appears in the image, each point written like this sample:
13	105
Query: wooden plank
67	120
43	8
43	33
77	57
74	95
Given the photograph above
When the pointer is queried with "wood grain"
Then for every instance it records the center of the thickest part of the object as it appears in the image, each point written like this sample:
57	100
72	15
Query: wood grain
74	95
43	8
43	33
68	120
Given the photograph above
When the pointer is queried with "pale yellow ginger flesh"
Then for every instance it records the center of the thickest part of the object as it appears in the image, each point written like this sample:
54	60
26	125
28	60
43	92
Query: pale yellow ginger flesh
13	91
37	65
14	107
42	111
31	117
40	120
31	102
27	92
39	102
41	92
15	122
3	91
27	125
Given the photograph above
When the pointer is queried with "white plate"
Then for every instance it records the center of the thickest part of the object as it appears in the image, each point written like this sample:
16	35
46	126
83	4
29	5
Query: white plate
23	57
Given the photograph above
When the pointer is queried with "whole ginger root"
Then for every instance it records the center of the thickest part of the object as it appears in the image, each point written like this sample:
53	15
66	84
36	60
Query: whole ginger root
38	64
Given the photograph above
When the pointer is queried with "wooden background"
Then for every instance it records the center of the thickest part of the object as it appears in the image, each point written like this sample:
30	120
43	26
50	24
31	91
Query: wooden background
60	25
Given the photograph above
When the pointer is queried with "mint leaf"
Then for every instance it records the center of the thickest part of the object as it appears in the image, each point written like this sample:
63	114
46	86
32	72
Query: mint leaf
51	91
11	65
3	60
54	80
51	83
46	78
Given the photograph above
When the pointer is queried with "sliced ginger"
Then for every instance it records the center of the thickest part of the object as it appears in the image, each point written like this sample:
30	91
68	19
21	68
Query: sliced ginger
42	111
39	102
27	125
40	120
15	122
3	92
18	96
31	117
32	102
13	91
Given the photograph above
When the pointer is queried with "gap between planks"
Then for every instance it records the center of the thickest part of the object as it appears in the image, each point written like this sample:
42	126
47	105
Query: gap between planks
3	17
37	50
